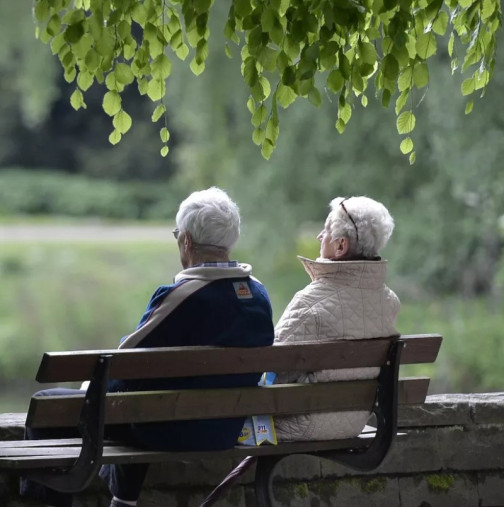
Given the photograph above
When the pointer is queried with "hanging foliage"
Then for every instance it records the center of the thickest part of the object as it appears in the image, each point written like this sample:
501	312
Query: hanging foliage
289	49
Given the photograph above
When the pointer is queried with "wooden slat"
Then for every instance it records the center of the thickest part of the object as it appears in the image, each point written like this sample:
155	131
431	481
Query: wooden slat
63	411
24	458
195	361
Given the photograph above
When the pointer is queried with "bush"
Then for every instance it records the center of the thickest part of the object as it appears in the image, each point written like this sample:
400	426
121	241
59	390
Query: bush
43	192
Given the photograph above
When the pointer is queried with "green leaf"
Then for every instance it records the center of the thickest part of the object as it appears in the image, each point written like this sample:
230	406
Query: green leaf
158	112
111	103
285	95
386	96
42	10
405	79
143	86
345	112
115	137
267	149
315	97
164	151
412	157
260	116
421	75
272	130
73	33
406	145
92	60
161	67
250	71
77	100
426	45
335	81
196	68
53	25
122	121
123	74
390	67
468	86
242	8
84	80
367	52
164	134
441	23
469	107
340	126
406	122
258	136
155	90
401	101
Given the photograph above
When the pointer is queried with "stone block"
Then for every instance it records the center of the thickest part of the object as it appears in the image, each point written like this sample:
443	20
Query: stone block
438	410
350	491
488	408
203	472
190	497
491	489
480	448
439	490
417	452
12	426
300	467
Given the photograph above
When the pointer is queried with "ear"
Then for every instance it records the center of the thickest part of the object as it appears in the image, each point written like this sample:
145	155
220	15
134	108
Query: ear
341	248
188	242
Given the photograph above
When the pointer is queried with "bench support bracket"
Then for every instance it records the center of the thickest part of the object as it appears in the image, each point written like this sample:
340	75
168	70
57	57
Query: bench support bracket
362	458
91	428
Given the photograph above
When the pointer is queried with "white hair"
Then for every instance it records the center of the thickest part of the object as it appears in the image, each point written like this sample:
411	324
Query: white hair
372	224
210	217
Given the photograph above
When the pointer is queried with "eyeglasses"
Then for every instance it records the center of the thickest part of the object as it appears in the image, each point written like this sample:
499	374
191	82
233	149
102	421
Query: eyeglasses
176	232
350	217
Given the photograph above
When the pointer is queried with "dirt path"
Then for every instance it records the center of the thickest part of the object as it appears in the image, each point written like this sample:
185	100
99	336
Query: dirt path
82	232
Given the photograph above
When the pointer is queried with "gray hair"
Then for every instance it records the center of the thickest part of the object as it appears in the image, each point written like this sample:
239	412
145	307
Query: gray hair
211	218
365	222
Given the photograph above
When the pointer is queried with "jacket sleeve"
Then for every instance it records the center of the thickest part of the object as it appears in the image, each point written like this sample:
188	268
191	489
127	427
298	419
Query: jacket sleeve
297	324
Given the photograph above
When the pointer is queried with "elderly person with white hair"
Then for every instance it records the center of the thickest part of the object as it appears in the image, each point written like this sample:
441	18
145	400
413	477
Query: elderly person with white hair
347	299
212	301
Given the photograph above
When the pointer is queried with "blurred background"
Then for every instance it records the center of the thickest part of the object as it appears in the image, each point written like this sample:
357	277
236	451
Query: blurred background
85	227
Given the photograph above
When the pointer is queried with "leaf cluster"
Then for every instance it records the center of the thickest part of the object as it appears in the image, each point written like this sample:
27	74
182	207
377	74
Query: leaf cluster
289	49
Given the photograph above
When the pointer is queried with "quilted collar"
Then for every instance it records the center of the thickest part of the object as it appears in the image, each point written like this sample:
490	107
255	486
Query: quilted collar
363	274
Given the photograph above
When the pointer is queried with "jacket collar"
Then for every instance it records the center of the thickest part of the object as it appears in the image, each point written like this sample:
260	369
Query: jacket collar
363	274
214	273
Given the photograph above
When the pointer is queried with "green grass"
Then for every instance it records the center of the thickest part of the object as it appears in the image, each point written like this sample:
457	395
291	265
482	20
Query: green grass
63	296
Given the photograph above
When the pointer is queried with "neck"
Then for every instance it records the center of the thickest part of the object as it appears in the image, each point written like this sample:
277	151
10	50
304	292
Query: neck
199	257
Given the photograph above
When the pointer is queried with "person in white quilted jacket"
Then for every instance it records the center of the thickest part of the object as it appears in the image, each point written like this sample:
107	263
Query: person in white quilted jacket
347	299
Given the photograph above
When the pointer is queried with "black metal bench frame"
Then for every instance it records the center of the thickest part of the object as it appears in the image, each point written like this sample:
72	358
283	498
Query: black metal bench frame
364	457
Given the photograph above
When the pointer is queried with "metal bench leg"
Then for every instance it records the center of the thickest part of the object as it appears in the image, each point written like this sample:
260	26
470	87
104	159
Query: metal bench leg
264	479
91	427
385	409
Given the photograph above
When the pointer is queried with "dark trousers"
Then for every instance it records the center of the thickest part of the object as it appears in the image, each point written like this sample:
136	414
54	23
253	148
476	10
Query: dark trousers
124	481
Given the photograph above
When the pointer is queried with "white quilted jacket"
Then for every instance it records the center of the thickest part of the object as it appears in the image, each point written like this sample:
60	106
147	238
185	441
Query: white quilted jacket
346	300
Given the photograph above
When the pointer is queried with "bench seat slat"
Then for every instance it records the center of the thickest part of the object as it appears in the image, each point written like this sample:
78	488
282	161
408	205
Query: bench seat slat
63	411
195	361
62	457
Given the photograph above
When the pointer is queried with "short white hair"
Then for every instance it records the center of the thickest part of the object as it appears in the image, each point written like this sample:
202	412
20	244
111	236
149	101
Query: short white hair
210	217
372	224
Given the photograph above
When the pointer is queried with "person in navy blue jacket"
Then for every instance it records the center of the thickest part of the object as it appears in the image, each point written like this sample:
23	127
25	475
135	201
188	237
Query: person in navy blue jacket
212	301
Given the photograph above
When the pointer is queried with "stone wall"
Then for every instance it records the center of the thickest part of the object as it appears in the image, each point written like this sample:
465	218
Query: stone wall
453	456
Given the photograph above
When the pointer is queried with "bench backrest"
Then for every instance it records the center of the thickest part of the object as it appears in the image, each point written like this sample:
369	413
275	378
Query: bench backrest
218	403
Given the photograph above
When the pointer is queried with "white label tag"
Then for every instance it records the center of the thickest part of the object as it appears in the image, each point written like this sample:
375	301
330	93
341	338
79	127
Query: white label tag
242	290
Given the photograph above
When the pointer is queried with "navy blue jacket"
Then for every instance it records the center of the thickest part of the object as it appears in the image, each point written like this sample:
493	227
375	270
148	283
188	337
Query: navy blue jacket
205	306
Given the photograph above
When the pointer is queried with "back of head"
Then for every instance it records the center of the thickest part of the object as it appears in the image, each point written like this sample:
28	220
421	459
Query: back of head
210	217
365	222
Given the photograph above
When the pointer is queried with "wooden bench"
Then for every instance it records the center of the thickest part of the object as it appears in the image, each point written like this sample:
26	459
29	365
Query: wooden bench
71	464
